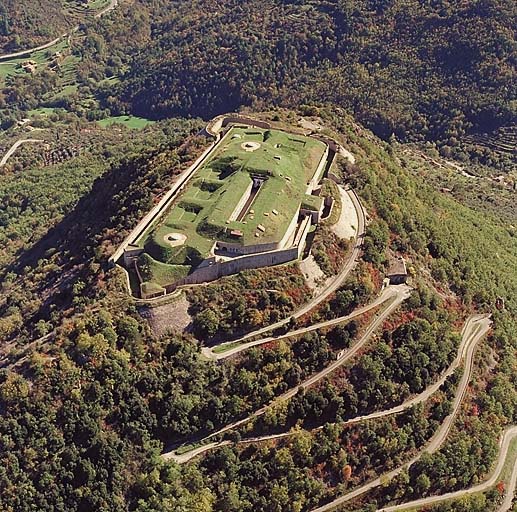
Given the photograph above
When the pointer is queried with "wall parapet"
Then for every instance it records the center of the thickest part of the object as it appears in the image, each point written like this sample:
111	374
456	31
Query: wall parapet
235	265
215	126
290	248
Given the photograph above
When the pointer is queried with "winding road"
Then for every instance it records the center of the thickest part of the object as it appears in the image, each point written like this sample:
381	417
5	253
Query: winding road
404	292
388	293
23	53
473	331
440	435
507	438
331	287
14	147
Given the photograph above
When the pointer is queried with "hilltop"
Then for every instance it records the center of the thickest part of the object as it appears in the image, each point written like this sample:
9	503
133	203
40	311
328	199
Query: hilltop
307	303
167	392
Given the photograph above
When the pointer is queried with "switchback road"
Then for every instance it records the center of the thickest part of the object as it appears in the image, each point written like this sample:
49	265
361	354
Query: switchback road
439	436
473	331
404	293
388	293
509	435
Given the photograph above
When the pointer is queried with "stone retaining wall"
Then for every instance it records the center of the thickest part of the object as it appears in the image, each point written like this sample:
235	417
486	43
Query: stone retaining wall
216	125
233	266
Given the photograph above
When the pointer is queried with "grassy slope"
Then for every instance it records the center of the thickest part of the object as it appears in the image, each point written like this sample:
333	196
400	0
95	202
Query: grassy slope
128	121
298	162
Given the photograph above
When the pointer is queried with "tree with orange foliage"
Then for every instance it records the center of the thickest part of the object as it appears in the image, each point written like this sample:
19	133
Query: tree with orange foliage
347	473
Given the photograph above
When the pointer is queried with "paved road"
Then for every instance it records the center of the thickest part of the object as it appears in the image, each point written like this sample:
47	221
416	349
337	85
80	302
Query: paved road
504	444
22	53
388	293
106	10
333	285
404	293
473	330
438	438
14	147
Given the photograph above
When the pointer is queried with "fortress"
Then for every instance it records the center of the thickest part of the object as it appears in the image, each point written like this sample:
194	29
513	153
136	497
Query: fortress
248	202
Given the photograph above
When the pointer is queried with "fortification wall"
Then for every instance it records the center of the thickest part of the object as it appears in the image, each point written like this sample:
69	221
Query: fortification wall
164	202
241	203
248	249
226	268
316	178
161	205
131	254
217	124
301	236
289	233
331	143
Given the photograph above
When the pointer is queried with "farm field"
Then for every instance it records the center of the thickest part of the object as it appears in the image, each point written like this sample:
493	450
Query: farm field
133	122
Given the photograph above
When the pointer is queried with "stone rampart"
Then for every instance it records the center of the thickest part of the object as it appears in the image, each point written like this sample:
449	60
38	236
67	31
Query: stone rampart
316	178
233	266
215	126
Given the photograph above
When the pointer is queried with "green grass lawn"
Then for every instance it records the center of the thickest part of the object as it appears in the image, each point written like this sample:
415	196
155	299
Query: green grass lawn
136	123
203	209
97	5
42	111
160	273
42	58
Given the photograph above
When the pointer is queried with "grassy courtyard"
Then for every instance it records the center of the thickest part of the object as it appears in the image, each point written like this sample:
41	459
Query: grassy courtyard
206	209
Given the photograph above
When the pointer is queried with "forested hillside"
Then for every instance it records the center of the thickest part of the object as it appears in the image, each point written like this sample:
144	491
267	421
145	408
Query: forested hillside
87	411
439	71
421	97
27	23
423	71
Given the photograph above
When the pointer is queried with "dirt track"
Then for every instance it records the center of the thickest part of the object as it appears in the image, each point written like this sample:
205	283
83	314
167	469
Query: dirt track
404	293
14	147
388	293
504	445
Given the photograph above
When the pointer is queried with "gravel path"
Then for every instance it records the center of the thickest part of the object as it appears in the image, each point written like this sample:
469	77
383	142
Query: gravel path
346	226
440	435
14	147
344	356
391	292
504	445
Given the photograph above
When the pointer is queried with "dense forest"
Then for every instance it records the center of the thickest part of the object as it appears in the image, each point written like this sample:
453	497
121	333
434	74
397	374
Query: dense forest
421	71
440	71
28	23
86	415
91	396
